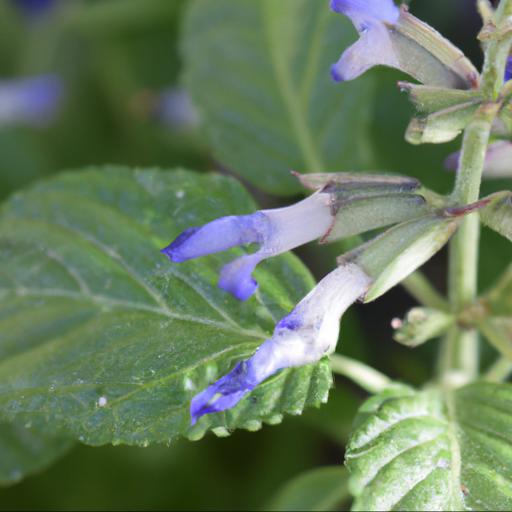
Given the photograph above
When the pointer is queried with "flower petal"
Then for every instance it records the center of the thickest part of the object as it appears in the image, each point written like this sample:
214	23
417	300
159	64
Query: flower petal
276	231
373	48
363	12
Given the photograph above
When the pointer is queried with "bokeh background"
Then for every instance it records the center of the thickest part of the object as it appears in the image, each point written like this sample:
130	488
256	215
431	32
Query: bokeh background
122	102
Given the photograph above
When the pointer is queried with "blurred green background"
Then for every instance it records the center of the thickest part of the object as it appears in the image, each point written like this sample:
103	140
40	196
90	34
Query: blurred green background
116	57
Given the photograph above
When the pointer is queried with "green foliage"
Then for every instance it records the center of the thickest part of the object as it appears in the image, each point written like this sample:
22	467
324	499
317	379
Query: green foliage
498	214
433	450
26	450
264	89
108	341
319	489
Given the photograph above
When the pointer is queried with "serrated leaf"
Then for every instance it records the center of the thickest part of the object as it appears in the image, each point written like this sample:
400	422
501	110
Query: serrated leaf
25	450
434	450
259	72
104	338
319	489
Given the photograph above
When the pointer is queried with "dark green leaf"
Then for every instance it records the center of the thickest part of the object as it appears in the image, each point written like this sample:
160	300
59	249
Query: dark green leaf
24	450
434	450
259	72
106	339
320	489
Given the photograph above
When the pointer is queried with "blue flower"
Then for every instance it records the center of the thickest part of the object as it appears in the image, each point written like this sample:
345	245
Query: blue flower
302	337
32	101
275	231
370	18
508	69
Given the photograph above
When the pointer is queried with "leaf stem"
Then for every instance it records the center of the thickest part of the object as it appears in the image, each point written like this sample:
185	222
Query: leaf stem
422	290
499	371
363	375
460	350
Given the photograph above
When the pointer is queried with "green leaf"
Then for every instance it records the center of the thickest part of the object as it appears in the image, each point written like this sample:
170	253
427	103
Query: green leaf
105	338
434	450
24	451
319	489
259	73
498	213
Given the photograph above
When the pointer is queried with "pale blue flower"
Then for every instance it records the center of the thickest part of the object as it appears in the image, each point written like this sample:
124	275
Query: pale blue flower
302	337
275	231
371	19
33	101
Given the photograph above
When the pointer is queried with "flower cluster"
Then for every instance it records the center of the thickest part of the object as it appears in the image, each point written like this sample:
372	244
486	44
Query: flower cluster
342	205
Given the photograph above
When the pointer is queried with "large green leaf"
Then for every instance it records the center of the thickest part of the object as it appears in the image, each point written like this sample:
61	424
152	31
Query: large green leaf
259	72
434	450
104	338
25	450
319	489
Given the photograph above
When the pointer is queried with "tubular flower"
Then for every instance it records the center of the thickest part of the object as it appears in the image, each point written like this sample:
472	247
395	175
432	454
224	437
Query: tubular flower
391	36
32	101
302	337
276	231
374	46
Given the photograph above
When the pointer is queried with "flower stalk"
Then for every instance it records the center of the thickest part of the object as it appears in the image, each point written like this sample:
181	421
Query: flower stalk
460	351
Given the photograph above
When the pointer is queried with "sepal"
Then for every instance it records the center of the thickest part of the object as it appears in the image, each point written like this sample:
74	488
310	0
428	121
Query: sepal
429	57
364	202
399	251
442	126
428	100
497	213
421	325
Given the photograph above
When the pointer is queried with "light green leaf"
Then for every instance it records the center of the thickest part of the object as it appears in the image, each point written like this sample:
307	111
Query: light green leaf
319	489
106	339
260	74
24	451
434	450
498	213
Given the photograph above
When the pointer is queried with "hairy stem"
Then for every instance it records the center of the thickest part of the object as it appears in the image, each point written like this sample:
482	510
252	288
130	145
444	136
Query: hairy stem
365	376
460	351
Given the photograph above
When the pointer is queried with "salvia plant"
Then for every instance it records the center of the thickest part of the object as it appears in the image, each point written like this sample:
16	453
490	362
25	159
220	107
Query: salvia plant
139	306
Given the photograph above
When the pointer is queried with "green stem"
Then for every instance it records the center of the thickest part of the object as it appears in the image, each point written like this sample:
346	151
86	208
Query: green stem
459	353
500	371
422	290
365	376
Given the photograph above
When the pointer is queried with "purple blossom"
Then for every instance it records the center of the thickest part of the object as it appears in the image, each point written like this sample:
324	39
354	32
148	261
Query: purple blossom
302	337
33	101
276	231
370	18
